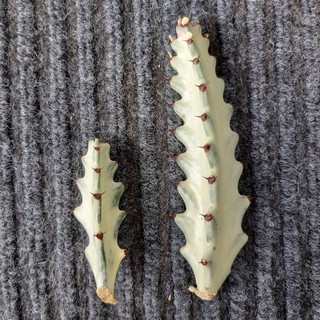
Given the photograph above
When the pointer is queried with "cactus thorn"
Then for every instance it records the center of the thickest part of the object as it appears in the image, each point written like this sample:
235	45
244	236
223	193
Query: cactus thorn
211	179
204	262
170	56
206	35
97	170
168	80
202	87
197	21
189	41
171	39
251	198
125	251
172	131
98	196
99	235
203	117
177	184
172	216
208	217
97	148
195	60
175	156
206	147
171	104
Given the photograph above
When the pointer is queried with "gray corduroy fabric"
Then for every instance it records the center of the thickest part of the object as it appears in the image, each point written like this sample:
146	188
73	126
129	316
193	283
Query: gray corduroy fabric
71	70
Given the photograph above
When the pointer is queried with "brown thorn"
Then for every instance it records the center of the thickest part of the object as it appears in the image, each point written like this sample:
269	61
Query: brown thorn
211	179
195	60
99	235
125	251
204	262
172	216
97	148
172	131
98	196
97	170
202	87
203	117
207	217
189	41
206	147
251	198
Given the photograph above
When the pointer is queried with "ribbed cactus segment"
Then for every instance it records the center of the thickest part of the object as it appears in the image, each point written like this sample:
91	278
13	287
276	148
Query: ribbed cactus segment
100	216
214	207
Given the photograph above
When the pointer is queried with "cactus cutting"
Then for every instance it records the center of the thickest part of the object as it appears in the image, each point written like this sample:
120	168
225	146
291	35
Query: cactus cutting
214	211
101	217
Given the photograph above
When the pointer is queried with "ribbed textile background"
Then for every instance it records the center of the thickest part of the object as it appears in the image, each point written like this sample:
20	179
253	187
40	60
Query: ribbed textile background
71	70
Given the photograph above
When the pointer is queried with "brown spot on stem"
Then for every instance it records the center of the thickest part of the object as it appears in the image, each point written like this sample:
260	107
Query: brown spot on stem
204	262
97	148
97	170
211	179
195	60
99	235
203	117
202	87
97	196
207	217
206	147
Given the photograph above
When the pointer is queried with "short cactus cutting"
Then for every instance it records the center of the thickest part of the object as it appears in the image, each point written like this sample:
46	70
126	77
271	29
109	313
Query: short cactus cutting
214	207
100	216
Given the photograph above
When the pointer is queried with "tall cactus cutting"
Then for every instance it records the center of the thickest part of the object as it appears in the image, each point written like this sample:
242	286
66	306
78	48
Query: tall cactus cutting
214	207
100	216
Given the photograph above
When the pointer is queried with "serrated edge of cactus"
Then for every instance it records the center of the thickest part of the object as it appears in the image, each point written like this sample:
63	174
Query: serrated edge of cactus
101	217
186	39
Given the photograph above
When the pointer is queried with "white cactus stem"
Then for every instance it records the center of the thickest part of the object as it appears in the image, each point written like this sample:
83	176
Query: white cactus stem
100	216
214	207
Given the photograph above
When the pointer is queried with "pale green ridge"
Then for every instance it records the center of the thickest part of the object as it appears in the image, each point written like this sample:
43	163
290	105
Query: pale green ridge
217	242
102	215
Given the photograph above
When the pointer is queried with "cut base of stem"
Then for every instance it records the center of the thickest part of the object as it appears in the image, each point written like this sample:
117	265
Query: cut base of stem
106	295
203	296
